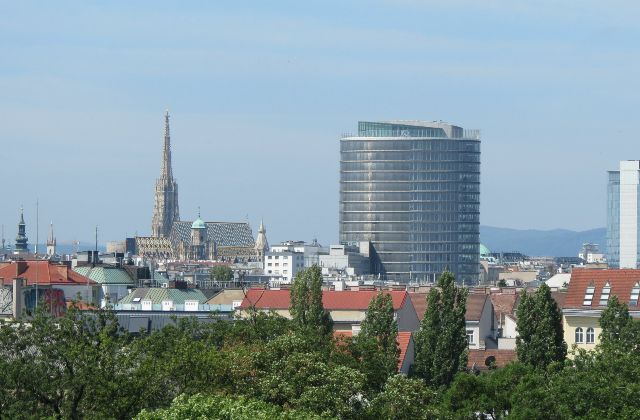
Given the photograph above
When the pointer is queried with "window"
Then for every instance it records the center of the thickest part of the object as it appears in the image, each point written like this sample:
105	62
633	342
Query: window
588	296
470	336
285	264
269	264
635	292
277	264
269	257
604	296
591	335
579	335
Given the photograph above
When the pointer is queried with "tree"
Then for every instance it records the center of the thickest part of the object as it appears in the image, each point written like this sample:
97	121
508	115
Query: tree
306	308
540	338
441	342
72	366
404	398
221	273
200	406
291	371
502	283
376	344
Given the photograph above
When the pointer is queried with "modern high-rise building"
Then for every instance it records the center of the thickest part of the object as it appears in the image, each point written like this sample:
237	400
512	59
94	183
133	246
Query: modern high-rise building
412	188
622	215
165	208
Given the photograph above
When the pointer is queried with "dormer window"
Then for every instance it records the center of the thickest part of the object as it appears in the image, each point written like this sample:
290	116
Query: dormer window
635	293
588	296
604	296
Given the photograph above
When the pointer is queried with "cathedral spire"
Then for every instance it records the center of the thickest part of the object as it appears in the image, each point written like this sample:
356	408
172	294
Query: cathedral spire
165	210
166	154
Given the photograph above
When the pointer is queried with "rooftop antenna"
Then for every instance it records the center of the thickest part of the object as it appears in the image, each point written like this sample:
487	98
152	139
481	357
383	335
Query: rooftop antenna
3	248
37	226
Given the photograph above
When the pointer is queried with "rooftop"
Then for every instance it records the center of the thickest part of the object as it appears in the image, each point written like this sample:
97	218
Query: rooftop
332	300
43	273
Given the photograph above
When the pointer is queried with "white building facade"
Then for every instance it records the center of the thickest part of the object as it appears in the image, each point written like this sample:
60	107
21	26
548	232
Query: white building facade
622	215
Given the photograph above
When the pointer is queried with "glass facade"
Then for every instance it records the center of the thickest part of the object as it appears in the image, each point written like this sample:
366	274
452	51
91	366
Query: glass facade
413	190
613	219
623	216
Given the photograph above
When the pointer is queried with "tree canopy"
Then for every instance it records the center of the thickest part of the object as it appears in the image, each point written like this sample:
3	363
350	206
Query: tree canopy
441	342
540	338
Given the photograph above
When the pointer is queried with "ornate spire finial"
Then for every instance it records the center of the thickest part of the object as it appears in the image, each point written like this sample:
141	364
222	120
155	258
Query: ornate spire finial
198	212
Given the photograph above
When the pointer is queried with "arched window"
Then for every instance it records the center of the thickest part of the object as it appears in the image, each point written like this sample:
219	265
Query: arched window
579	335
591	335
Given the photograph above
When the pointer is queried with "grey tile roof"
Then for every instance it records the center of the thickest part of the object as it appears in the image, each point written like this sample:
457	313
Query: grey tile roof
158	294
105	275
223	234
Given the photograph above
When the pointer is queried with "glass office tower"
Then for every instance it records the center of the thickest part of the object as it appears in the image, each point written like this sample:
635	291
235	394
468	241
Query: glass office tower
623	216
413	189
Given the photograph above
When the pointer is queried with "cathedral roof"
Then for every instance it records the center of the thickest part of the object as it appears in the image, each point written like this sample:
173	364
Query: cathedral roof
221	233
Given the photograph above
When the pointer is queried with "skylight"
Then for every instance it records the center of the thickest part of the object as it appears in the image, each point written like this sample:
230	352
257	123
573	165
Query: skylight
604	296
588	296
635	292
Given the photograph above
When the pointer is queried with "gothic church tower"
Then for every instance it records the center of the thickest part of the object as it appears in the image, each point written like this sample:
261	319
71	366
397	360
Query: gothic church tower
165	210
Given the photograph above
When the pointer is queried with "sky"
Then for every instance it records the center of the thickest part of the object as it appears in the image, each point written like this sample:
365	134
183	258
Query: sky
260	93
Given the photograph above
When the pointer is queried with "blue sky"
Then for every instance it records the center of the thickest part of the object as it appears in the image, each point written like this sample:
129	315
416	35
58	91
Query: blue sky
260	92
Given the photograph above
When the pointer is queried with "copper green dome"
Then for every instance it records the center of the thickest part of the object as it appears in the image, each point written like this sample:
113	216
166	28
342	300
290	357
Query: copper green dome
484	251
198	224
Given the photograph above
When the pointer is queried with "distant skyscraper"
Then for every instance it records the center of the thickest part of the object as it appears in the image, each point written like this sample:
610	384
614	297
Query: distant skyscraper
22	245
165	210
413	189
622	215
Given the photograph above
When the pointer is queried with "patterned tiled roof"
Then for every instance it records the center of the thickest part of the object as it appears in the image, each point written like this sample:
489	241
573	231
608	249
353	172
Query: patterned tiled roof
153	245
105	275
157	294
223	234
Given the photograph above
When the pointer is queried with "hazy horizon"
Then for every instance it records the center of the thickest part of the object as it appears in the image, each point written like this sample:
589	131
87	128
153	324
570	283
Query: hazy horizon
259	95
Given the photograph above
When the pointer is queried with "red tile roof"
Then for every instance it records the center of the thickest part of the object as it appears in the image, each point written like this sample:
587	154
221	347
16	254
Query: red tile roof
475	304
504	303
620	280
403	342
478	358
404	337
419	301
43	273
332	300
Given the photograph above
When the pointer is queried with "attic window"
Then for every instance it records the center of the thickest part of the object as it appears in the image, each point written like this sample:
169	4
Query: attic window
635	292
588	296
604	296
136	300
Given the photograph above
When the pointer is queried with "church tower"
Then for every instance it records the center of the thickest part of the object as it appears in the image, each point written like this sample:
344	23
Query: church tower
51	243
262	245
165	210
22	246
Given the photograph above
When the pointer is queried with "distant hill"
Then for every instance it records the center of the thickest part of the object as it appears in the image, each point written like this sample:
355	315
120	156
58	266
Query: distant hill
555	243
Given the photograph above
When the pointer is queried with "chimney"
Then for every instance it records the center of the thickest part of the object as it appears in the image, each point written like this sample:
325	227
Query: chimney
21	267
16	306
